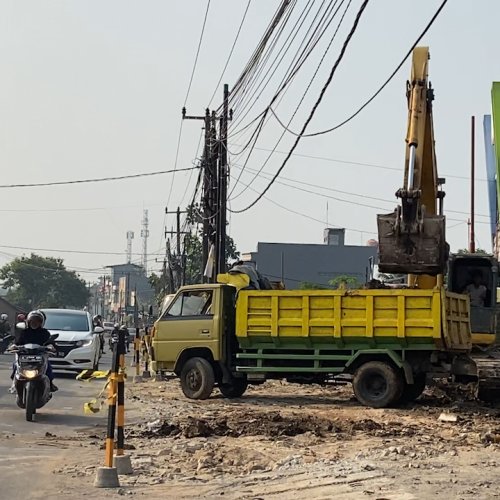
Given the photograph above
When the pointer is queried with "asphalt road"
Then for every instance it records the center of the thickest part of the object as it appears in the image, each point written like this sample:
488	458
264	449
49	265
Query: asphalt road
23	445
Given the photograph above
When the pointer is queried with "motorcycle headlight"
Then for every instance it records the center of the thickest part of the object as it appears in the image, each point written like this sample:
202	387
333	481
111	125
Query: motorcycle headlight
29	373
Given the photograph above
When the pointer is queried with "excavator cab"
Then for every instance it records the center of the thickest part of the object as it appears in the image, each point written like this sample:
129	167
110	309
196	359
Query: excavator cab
412	238
463	270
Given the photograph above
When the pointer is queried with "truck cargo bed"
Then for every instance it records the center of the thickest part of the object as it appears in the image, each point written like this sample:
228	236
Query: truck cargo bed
339	319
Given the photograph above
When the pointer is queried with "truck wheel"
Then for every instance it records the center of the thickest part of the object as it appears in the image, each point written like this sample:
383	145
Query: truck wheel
412	391
235	389
377	384
197	378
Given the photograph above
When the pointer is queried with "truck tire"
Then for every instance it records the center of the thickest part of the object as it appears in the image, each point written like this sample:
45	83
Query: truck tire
235	389
412	391
197	378
377	384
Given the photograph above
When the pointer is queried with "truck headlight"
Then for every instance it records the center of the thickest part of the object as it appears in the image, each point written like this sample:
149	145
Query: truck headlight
29	373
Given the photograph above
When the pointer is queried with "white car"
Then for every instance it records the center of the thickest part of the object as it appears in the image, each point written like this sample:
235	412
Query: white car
78	343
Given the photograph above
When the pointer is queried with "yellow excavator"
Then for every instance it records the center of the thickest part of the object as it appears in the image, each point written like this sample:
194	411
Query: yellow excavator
412	239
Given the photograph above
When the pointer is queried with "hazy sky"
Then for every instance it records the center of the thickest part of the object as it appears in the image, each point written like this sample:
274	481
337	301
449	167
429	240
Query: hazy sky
95	88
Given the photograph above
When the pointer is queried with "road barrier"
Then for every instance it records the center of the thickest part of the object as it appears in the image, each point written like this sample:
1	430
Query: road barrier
107	476
137	356
145	353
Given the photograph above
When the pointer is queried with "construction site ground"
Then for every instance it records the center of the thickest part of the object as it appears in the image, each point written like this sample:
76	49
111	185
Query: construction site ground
281	440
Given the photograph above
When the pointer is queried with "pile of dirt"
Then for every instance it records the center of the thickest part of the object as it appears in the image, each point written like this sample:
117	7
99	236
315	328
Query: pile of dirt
237	424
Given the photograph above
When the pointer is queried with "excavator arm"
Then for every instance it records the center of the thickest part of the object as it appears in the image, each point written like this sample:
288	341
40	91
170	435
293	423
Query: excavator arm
412	238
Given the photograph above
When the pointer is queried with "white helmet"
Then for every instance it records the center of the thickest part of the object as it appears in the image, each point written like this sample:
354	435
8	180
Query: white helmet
4	317
36	314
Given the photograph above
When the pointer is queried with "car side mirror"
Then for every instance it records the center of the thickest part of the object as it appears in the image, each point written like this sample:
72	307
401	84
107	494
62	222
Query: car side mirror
21	325
98	330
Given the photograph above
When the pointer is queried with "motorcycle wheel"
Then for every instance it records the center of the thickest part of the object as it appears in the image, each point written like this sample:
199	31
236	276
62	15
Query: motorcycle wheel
30	401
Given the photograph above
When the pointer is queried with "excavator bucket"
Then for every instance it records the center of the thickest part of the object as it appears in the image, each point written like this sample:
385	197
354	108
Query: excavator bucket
424	251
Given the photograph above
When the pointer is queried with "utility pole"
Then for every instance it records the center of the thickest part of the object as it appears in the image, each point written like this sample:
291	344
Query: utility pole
222	187
215	178
179	258
145	236
472	232
209	200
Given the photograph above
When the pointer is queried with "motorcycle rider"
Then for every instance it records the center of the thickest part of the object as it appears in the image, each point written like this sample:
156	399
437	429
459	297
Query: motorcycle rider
4	332
114	335
124	329
4	325
35	333
97	321
20	318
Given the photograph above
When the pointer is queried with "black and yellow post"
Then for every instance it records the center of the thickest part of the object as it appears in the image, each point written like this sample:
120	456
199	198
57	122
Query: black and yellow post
146	373
137	356
107	476
122	462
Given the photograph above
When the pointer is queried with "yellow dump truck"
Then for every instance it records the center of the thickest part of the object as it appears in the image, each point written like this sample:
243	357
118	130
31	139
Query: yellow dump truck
387	342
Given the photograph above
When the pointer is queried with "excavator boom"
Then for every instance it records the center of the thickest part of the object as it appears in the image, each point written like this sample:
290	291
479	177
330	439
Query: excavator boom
412	238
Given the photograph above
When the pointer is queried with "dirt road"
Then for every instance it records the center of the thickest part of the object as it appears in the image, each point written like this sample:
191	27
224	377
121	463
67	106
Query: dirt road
280	440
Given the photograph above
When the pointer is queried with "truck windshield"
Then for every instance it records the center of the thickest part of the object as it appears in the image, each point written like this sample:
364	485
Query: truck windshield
192	303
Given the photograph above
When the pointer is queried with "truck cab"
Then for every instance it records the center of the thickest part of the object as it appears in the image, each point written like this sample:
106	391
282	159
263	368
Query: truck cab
198	323
462	270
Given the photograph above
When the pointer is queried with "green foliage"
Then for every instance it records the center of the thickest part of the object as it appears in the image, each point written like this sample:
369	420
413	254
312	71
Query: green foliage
307	285
37	281
480	251
345	281
168	283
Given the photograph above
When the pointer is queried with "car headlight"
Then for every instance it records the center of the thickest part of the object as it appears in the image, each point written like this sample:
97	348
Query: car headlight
84	343
29	373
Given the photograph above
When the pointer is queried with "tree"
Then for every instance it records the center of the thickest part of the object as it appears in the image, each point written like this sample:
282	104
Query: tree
308	285
163	284
37	281
463	251
344	281
193	250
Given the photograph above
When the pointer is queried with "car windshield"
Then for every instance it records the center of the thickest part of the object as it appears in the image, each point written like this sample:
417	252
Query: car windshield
68	322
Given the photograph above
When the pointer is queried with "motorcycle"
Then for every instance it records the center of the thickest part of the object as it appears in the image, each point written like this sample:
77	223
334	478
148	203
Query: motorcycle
31	382
5	340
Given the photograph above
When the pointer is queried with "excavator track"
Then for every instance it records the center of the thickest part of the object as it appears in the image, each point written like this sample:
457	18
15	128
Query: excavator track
488	374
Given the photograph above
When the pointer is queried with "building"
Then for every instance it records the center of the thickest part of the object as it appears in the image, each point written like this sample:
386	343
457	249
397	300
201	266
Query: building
124	282
10	310
298	263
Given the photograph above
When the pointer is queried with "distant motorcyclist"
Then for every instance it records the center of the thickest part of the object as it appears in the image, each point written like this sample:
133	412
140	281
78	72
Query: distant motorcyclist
114	335
124	329
97	322
4	325
20	318
35	333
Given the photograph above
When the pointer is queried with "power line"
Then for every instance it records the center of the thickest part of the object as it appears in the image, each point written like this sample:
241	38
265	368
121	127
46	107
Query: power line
304	94
89	252
179	139
315	107
306	216
197	52
100	179
230	52
382	87
358	163
360	195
